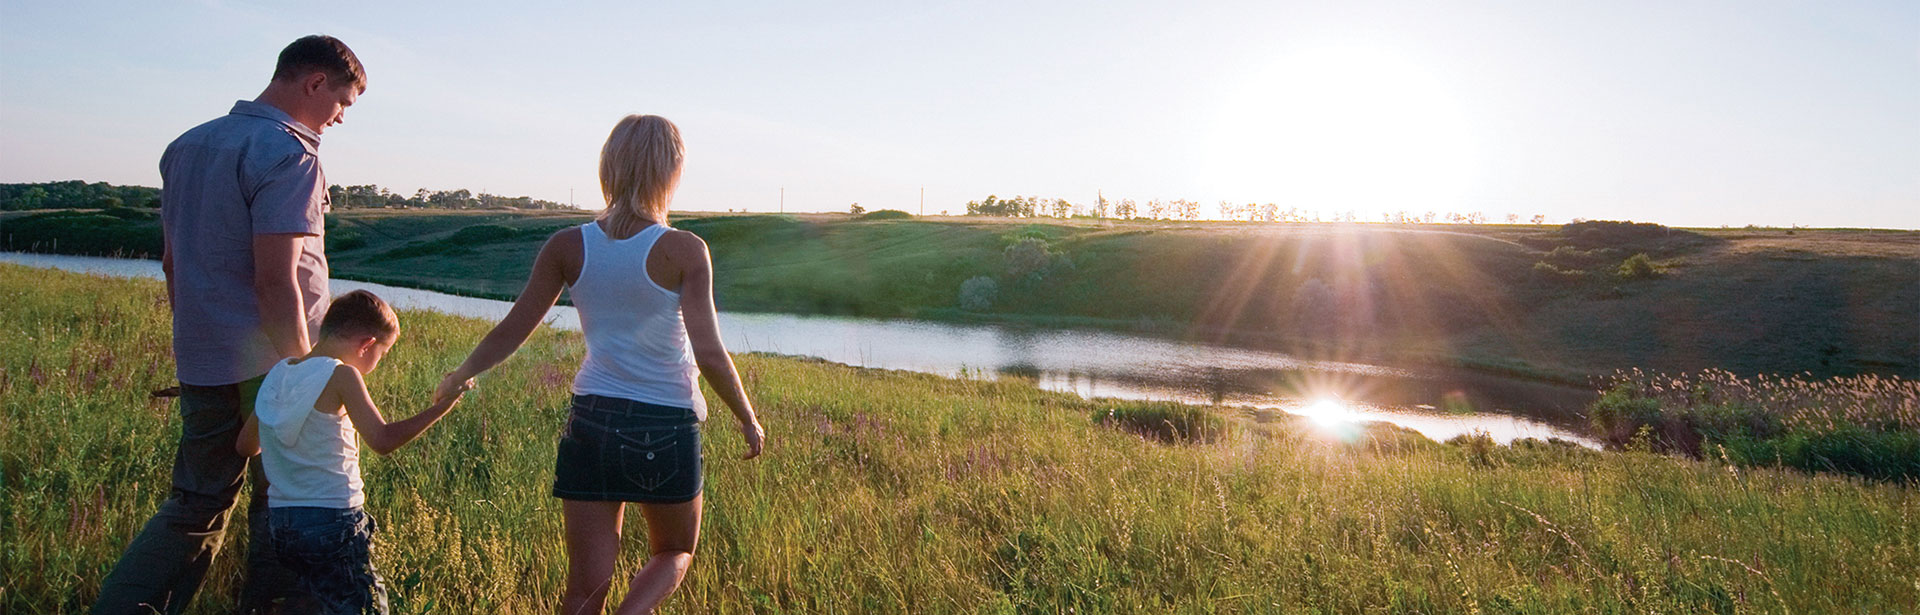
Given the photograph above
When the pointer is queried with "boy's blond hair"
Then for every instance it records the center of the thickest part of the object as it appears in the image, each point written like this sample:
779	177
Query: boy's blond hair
360	313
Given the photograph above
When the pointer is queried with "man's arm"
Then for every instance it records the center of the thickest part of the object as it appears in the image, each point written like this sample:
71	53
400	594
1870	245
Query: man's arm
276	289
166	265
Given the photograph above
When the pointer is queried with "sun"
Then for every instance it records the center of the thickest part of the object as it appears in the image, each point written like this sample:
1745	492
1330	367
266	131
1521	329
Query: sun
1340	129
1328	413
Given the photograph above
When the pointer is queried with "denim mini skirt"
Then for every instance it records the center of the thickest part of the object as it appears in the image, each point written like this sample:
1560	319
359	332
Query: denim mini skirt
620	450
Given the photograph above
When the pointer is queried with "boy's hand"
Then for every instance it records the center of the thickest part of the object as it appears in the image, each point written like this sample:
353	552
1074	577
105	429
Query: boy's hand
451	387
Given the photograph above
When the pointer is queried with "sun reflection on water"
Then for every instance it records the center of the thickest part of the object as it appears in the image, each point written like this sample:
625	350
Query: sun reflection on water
1332	416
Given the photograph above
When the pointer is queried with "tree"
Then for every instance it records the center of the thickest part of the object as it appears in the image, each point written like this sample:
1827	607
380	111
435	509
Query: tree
977	293
1125	209
1100	207
1539	219
1156	210
1028	259
1189	209
1061	208
856	209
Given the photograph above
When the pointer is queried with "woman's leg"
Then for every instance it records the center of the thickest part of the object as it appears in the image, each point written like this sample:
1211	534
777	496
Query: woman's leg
593	545
672	532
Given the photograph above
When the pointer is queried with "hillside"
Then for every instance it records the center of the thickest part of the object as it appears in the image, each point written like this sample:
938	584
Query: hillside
1558	302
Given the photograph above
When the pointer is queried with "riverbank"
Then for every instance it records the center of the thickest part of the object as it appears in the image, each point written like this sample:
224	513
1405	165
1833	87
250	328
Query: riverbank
1559	304
893	492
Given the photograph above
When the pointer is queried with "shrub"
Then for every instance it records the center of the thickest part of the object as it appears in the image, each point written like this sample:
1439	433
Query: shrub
1547	272
1861	425
886	214
1028	259
978	293
1601	233
1637	267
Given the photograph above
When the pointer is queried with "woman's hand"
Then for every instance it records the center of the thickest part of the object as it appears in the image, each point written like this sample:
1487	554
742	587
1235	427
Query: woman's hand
756	437
451	385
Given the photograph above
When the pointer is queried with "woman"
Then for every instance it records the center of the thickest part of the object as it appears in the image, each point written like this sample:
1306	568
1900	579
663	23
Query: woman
645	295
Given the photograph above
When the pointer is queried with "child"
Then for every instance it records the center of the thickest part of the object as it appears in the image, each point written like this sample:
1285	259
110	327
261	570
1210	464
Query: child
303	427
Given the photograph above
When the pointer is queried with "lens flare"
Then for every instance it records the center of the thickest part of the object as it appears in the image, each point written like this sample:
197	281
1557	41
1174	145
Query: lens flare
1328	413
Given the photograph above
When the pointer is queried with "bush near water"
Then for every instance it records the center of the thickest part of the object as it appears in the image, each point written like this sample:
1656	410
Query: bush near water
1861	425
891	492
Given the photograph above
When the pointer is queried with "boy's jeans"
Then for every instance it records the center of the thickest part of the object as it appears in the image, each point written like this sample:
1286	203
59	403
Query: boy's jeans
165	564
331	551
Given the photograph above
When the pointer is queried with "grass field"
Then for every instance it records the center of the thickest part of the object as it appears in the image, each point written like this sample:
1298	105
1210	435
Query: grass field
888	492
1553	302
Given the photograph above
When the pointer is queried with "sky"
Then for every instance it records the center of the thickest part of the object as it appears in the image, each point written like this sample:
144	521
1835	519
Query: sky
1688	113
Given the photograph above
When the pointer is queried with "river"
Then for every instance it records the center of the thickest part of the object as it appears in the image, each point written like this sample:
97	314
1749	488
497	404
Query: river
1089	363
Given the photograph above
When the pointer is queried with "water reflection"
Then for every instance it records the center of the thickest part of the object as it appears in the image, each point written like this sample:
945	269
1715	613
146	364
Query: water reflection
1439	404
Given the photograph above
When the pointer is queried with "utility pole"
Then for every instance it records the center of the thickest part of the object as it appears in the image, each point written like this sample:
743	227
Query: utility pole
570	202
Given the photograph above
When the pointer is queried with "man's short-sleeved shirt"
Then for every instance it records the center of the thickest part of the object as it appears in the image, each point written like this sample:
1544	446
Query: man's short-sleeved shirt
255	171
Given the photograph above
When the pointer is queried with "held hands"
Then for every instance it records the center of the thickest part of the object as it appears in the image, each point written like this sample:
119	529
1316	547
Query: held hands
451	388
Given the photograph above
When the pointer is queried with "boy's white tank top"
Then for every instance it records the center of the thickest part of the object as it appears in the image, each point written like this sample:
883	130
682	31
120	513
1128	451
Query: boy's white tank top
637	345
311	458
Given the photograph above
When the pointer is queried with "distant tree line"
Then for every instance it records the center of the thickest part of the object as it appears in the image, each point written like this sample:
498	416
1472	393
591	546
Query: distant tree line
372	196
1181	209
76	194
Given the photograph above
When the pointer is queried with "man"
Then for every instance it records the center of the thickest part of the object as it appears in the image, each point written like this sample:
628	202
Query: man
243	202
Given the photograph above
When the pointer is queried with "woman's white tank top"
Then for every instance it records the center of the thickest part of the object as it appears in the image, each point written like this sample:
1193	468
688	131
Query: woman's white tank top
637	345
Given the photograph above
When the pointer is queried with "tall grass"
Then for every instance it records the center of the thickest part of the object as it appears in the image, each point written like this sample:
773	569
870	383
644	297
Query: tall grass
1863	425
888	492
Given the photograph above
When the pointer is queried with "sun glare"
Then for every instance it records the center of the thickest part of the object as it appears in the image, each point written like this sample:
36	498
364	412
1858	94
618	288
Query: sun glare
1328	413
1335	130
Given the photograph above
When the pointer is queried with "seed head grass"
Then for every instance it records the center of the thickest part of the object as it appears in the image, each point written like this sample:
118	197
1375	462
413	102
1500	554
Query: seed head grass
893	492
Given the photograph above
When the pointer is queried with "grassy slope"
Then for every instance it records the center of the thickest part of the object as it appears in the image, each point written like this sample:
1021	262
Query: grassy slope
1829	302
1824	301
894	492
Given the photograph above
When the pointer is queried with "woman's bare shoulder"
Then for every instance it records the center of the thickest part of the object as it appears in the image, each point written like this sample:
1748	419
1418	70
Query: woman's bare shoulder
564	238
683	246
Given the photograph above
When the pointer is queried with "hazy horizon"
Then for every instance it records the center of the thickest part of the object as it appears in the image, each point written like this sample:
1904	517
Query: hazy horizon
1708	114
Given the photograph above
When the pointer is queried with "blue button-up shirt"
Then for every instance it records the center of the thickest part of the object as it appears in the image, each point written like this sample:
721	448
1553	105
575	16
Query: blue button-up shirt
255	171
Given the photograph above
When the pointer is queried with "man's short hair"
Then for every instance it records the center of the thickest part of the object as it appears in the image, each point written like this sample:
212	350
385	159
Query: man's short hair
359	313
319	52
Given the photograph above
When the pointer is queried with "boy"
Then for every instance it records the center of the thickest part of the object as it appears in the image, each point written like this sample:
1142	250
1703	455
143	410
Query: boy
303	427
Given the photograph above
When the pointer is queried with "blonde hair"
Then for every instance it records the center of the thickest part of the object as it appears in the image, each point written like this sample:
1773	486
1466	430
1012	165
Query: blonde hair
638	168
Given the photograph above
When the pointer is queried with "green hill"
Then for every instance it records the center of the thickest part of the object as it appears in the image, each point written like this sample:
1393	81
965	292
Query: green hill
1562	302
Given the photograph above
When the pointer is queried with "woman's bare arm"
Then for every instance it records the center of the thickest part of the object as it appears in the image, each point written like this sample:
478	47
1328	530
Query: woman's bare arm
689	252
548	278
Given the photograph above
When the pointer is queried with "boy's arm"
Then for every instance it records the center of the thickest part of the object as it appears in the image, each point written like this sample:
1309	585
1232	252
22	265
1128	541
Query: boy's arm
384	437
248	443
